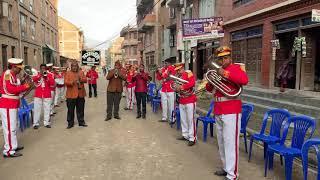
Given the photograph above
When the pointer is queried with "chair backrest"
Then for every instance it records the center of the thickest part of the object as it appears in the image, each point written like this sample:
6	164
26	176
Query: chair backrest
151	87
314	142
301	125
210	109
247	110
24	103
278	117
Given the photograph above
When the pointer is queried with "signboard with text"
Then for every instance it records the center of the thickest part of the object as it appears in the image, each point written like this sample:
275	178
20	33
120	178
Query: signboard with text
90	58
315	15
202	28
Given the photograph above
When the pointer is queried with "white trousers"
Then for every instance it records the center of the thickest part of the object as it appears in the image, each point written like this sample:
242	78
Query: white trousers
9	125
39	104
228	129
167	103
58	96
130	97
52	102
188	125
63	94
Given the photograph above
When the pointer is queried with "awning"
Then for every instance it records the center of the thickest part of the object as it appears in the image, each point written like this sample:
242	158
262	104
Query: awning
50	47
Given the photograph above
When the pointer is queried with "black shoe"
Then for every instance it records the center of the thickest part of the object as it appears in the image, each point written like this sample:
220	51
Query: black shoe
107	119
138	116
143	116
163	120
56	106
48	126
19	148
172	122
16	154
35	127
54	113
117	117
96	96
83	125
70	126
182	138
191	143
126	108
90	96
220	173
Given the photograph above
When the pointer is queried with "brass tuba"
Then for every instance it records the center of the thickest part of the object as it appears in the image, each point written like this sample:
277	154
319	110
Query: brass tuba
225	86
180	82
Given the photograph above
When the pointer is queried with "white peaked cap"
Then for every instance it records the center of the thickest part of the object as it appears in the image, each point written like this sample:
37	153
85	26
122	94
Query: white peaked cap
15	61
49	65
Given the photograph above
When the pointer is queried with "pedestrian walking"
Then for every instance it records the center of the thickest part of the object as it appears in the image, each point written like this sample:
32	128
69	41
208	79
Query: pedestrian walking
42	97
92	76
116	77
141	79
74	81
11	89
227	113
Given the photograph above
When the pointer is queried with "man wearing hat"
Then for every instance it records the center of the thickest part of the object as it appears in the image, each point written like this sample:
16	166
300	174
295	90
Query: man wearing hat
115	77
227	113
11	88
53	87
187	105
92	76
167	93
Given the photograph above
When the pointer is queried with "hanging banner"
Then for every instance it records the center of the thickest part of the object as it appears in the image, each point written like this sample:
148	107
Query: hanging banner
202	28
90	58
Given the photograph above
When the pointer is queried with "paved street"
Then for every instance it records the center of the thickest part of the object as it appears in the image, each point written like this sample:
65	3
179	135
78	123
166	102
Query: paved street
119	150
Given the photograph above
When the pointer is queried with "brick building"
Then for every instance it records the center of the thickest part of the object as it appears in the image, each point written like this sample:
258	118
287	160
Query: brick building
130	45
71	39
252	25
34	37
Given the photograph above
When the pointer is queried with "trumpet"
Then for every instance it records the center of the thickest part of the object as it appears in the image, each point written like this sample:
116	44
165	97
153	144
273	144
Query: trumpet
225	86
116	74
180	82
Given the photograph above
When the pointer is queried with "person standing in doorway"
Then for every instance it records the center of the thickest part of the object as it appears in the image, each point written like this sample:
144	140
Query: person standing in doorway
92	76
115	77
167	93
74	81
42	97
141	79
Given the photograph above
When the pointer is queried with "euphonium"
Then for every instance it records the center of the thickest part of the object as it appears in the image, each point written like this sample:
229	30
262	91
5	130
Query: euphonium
180	82
225	86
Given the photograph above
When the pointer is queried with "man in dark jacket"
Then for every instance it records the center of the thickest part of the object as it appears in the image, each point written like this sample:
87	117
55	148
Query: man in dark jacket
114	90
141	79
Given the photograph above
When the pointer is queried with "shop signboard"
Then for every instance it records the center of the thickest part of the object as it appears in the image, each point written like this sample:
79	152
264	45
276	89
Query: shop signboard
315	15
202	28
90	58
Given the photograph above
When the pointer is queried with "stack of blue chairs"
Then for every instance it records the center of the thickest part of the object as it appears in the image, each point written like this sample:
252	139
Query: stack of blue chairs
150	93
24	114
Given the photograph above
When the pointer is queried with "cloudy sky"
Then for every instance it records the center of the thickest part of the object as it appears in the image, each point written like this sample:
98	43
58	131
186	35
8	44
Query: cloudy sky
100	19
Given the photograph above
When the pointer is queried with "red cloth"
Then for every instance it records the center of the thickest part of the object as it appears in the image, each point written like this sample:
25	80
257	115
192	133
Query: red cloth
53	86
11	88
141	79
43	86
59	76
166	71
188	75
92	76
233	73
130	83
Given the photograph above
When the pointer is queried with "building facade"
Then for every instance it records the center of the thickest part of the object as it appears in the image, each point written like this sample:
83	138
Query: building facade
252	26
130	45
29	30
71	40
115	52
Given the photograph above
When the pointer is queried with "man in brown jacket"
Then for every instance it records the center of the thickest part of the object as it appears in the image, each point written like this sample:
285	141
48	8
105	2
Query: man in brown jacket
74	80
116	77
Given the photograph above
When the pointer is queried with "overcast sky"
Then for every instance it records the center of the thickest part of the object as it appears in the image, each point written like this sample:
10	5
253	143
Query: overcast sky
99	19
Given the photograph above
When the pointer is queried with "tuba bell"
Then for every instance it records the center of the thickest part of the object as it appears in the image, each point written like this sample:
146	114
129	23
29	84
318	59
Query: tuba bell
225	86
29	73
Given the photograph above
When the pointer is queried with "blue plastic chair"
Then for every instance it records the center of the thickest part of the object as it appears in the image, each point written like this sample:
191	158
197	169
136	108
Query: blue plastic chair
247	110
156	101
150	93
315	142
301	126
277	117
208	119
176	114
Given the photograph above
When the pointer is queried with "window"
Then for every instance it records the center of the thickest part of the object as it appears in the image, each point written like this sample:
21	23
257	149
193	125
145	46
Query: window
206	8
52	38
4	57
247	33
33	29
23	24
25	52
48	36
46	9
13	51
35	55
135	35
10	19
135	51
172	37
31	5
287	25
172	13
43	33
237	3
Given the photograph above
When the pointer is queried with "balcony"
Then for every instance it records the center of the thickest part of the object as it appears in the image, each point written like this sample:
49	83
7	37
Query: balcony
148	22
143	4
130	42
174	3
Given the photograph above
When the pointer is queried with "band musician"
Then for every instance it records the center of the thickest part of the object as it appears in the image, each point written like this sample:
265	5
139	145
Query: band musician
167	93
228	114
187	104
10	89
